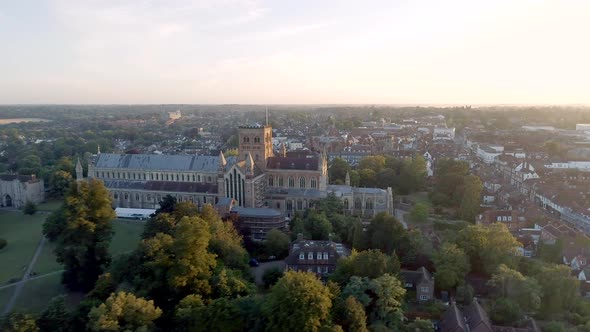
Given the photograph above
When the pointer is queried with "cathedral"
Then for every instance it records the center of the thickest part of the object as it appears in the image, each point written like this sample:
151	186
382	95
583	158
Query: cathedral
258	181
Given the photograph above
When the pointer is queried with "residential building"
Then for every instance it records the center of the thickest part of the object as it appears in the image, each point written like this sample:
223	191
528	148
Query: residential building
319	257
421	281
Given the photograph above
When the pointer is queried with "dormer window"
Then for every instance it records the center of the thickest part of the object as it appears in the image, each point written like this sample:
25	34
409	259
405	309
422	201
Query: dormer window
301	255
310	255
319	255
326	256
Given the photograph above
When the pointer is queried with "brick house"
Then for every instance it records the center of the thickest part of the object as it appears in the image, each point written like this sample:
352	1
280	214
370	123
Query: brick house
420	281
319	257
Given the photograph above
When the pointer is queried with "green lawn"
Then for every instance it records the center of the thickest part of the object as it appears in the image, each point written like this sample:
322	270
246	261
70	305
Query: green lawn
23	233
50	205
37	293
127	234
46	261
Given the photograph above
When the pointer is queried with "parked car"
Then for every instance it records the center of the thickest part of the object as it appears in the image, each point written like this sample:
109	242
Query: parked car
253	262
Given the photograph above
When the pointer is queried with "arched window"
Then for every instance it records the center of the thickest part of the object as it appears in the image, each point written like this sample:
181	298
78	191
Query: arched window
358	204
299	205
271	181
302	182
126	196
291	182
314	183
137	197
369	204
182	177
256	139
281	181
346	204
116	196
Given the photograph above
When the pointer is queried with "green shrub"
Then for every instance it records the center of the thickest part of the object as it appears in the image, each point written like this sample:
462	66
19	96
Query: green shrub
30	208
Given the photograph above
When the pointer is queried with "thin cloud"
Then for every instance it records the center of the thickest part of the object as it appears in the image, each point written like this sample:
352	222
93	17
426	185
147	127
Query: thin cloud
250	16
283	32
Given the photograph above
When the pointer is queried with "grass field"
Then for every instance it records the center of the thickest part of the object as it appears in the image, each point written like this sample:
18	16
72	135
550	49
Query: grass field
37	293
49	205
127	234
23	234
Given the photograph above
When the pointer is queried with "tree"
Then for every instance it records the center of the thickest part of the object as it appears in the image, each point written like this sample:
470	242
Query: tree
30	164
488	246
374	163
386	233
317	225
554	326
370	263
506	312
193	264
82	229
124	312
55	317
550	253
451	264
219	315
559	288
420	325
367	178
419	213
59	182
382	298
355	318
471	200
167	205
298	302
337	170
522	291
277	243
30	208
389	295
229	283
271	276
18	322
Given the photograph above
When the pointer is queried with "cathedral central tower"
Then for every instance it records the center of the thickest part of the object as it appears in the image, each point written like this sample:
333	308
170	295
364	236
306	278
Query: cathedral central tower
256	140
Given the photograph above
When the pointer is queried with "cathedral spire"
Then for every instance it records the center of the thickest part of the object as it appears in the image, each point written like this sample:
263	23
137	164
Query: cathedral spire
79	171
222	161
347	179
250	162
98	149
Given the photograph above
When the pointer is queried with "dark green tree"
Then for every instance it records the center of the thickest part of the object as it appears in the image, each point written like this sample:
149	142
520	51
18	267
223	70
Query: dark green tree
18	322
451	264
55	318
277	243
337	170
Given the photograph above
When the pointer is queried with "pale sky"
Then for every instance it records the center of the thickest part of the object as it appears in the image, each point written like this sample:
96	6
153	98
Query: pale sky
295	52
